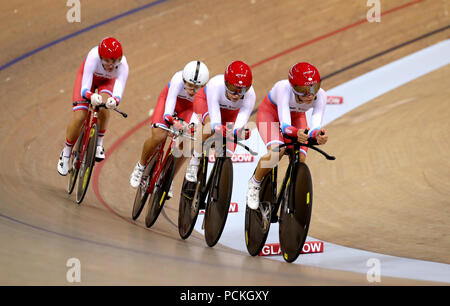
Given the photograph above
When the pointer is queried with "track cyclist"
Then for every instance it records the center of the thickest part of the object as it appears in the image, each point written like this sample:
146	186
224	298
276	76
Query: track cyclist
282	112
104	69
176	97
226	98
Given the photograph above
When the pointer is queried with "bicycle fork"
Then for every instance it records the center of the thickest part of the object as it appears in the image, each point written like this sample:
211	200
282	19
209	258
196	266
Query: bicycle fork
284	192
88	133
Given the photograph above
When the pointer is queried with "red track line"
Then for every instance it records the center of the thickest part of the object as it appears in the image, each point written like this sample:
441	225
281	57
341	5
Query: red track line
99	166
119	141
309	42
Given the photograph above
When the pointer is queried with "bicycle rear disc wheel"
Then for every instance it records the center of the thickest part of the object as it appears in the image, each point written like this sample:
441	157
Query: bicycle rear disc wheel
141	193
73	172
294	224
87	164
219	198
190	202
257	222
159	194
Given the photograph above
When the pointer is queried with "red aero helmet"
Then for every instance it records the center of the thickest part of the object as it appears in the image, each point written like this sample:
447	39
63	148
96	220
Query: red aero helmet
110	48
239	74
304	78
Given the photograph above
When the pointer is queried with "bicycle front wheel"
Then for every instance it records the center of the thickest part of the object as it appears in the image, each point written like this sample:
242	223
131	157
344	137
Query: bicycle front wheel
191	196
296	212
219	198
73	172
159	194
87	164
257	222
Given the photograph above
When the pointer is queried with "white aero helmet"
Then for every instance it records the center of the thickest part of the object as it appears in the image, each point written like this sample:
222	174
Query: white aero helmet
196	73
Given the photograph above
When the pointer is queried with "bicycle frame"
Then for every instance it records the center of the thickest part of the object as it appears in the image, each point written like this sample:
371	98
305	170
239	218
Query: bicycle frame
87	126
159	165
91	119
294	157
204	189
162	158
223	155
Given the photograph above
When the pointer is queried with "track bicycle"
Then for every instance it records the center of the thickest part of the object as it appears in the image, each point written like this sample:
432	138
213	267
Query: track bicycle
212	194
158	175
295	198
82	159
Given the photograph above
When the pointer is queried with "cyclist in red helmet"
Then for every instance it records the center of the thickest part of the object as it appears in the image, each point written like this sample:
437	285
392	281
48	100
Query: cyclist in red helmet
101	79
281	113
226	98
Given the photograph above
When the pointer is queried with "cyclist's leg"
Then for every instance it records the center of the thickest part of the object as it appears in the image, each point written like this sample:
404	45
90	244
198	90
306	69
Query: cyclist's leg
228	120
184	110
202	132
72	133
79	113
299	121
105	88
269	129
157	136
74	127
150	145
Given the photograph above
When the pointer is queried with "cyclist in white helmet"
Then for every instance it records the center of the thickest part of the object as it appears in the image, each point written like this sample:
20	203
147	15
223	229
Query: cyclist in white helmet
177	96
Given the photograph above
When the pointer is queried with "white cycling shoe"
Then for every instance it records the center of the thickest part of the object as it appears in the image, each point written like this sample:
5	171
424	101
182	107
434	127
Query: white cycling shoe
252	198
99	154
170	193
63	164
191	173
136	175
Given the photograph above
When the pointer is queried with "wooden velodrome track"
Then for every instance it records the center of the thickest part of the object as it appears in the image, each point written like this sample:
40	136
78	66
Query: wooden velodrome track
388	192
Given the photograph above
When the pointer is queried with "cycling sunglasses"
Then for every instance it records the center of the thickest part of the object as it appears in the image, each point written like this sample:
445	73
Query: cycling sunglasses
233	90
306	90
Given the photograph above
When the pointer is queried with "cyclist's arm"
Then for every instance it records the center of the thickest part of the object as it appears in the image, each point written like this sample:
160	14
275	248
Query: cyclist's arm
317	113
121	80
284	112
90	65
245	111
175	86
212	94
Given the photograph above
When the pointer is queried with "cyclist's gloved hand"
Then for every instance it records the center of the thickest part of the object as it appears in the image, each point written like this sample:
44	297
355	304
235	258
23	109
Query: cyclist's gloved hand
291	132
96	99
322	137
220	129
302	135
112	102
169	119
242	133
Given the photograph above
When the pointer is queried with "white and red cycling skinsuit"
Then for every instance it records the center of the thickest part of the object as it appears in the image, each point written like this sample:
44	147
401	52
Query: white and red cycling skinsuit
91	76
279	114
174	98
211	100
